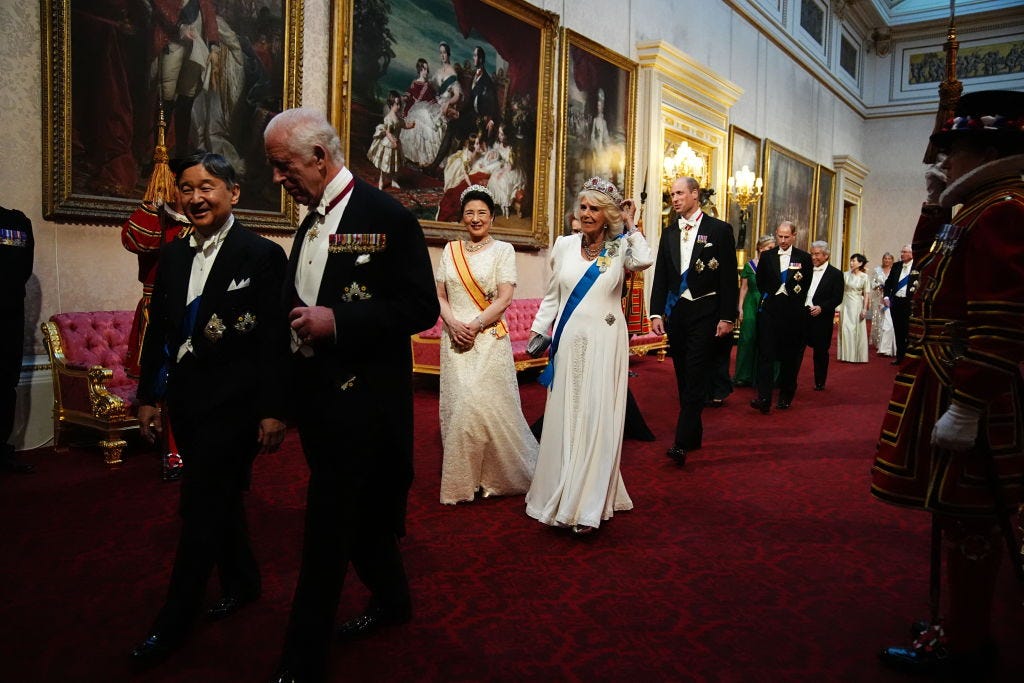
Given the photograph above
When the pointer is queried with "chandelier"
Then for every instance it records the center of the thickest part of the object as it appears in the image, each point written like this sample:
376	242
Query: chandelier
684	161
745	189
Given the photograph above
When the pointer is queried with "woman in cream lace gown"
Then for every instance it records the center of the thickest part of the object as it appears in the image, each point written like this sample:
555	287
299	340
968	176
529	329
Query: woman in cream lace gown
488	447
853	312
577	483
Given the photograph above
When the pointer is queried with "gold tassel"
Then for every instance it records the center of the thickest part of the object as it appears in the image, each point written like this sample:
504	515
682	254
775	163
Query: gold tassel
161	183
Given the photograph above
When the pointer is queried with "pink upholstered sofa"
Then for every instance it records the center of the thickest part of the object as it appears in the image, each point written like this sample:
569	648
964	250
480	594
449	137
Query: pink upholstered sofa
90	388
426	353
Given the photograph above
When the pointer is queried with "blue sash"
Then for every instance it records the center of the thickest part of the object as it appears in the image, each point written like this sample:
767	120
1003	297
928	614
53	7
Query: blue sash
547	376
673	297
187	324
903	282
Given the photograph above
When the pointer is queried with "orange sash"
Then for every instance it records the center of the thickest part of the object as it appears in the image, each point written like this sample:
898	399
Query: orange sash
475	292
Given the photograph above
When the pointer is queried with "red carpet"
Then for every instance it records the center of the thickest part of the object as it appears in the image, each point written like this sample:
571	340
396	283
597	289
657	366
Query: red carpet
764	559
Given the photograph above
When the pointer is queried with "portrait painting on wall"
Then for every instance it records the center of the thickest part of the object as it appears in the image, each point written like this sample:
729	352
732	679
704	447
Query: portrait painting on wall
210	73
789	192
444	94
596	120
824	204
744	152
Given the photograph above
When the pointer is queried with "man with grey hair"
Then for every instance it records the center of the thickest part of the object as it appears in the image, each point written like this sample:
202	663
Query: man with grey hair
898	290
824	295
359	283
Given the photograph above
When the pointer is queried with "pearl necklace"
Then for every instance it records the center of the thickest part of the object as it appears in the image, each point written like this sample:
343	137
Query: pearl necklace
473	247
591	254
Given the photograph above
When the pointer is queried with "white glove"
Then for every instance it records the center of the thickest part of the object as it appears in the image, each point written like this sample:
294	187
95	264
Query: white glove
957	429
935	179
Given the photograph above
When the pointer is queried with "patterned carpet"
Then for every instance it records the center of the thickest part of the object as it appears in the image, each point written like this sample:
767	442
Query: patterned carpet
764	559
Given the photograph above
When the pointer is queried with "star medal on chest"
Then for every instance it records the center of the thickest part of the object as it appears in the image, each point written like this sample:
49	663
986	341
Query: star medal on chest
214	329
313	233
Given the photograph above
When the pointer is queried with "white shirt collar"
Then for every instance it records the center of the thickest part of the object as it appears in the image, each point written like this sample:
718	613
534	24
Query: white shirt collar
213	241
821	268
334	187
785	252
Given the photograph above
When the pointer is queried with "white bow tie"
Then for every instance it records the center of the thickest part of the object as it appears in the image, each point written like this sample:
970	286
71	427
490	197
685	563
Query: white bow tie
686	223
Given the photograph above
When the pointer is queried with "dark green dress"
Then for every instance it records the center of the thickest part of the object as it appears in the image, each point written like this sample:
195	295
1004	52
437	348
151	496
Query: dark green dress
746	348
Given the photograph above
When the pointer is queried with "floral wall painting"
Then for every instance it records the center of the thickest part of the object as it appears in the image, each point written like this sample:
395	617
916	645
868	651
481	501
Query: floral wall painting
444	94
216	69
596	119
788	192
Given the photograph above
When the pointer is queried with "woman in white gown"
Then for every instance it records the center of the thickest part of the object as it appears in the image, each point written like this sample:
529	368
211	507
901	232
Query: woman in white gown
853	313
421	143
488	447
577	483
883	338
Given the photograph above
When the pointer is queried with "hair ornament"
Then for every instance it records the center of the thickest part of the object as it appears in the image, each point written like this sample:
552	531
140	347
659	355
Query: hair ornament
475	188
605	187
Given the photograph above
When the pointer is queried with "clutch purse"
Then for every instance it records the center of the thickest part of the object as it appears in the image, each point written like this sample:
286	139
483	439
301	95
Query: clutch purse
538	345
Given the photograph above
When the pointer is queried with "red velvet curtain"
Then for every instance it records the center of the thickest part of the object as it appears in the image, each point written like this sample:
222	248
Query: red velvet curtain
516	41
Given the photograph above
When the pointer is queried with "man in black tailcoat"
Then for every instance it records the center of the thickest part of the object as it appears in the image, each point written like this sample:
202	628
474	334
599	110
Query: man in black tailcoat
783	276
216	352
898	291
480	111
17	247
359	283
694	300
824	295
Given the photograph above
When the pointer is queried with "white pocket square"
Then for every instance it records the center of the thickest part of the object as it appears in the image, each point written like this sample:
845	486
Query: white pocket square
362	258
707	244
238	284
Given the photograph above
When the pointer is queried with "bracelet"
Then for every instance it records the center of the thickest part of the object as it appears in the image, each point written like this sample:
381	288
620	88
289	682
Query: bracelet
480	324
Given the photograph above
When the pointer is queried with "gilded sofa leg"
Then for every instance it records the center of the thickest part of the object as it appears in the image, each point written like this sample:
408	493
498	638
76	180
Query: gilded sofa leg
112	451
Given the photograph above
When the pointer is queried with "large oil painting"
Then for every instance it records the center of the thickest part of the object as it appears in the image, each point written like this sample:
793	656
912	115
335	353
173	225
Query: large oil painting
789	192
596	120
431	96
212	71
744	151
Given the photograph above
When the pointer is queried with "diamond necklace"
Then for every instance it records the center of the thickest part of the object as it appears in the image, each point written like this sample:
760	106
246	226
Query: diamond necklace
477	246
591	253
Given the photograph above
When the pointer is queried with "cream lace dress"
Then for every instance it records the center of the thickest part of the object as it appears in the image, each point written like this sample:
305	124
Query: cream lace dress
488	446
577	479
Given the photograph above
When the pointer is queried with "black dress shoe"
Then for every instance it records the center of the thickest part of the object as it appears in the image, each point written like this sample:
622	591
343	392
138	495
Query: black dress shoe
371	621
715	402
227	606
819	387
763	405
11	463
677	454
154	649
895	362
783	405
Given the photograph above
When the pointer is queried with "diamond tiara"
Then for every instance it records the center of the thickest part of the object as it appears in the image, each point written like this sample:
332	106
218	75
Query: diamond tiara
605	187
475	188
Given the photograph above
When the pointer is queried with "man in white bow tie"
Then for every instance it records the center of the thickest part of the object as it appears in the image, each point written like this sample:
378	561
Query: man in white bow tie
783	276
694	298
215	352
899	289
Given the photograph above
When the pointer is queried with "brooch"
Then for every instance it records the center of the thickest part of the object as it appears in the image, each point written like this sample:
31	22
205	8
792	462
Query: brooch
612	247
355	292
698	265
245	323
610	319
713	264
214	329
357	243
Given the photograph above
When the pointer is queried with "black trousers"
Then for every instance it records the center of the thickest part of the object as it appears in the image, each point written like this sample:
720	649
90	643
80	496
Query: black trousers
214	531
691	336
899	307
780	335
343	525
819	338
12	332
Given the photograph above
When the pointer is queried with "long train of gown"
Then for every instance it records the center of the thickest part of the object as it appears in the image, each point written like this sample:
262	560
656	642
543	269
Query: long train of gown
487	444
577	480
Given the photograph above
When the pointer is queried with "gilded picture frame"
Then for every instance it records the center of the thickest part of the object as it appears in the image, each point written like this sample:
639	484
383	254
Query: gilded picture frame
789	191
597	117
824	193
491	118
744	150
108	74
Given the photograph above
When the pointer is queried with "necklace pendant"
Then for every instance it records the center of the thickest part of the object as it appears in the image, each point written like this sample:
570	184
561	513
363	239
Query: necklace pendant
313	233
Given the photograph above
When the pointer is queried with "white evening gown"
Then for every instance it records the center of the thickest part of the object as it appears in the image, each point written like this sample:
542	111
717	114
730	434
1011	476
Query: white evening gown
853	330
487	444
577	479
